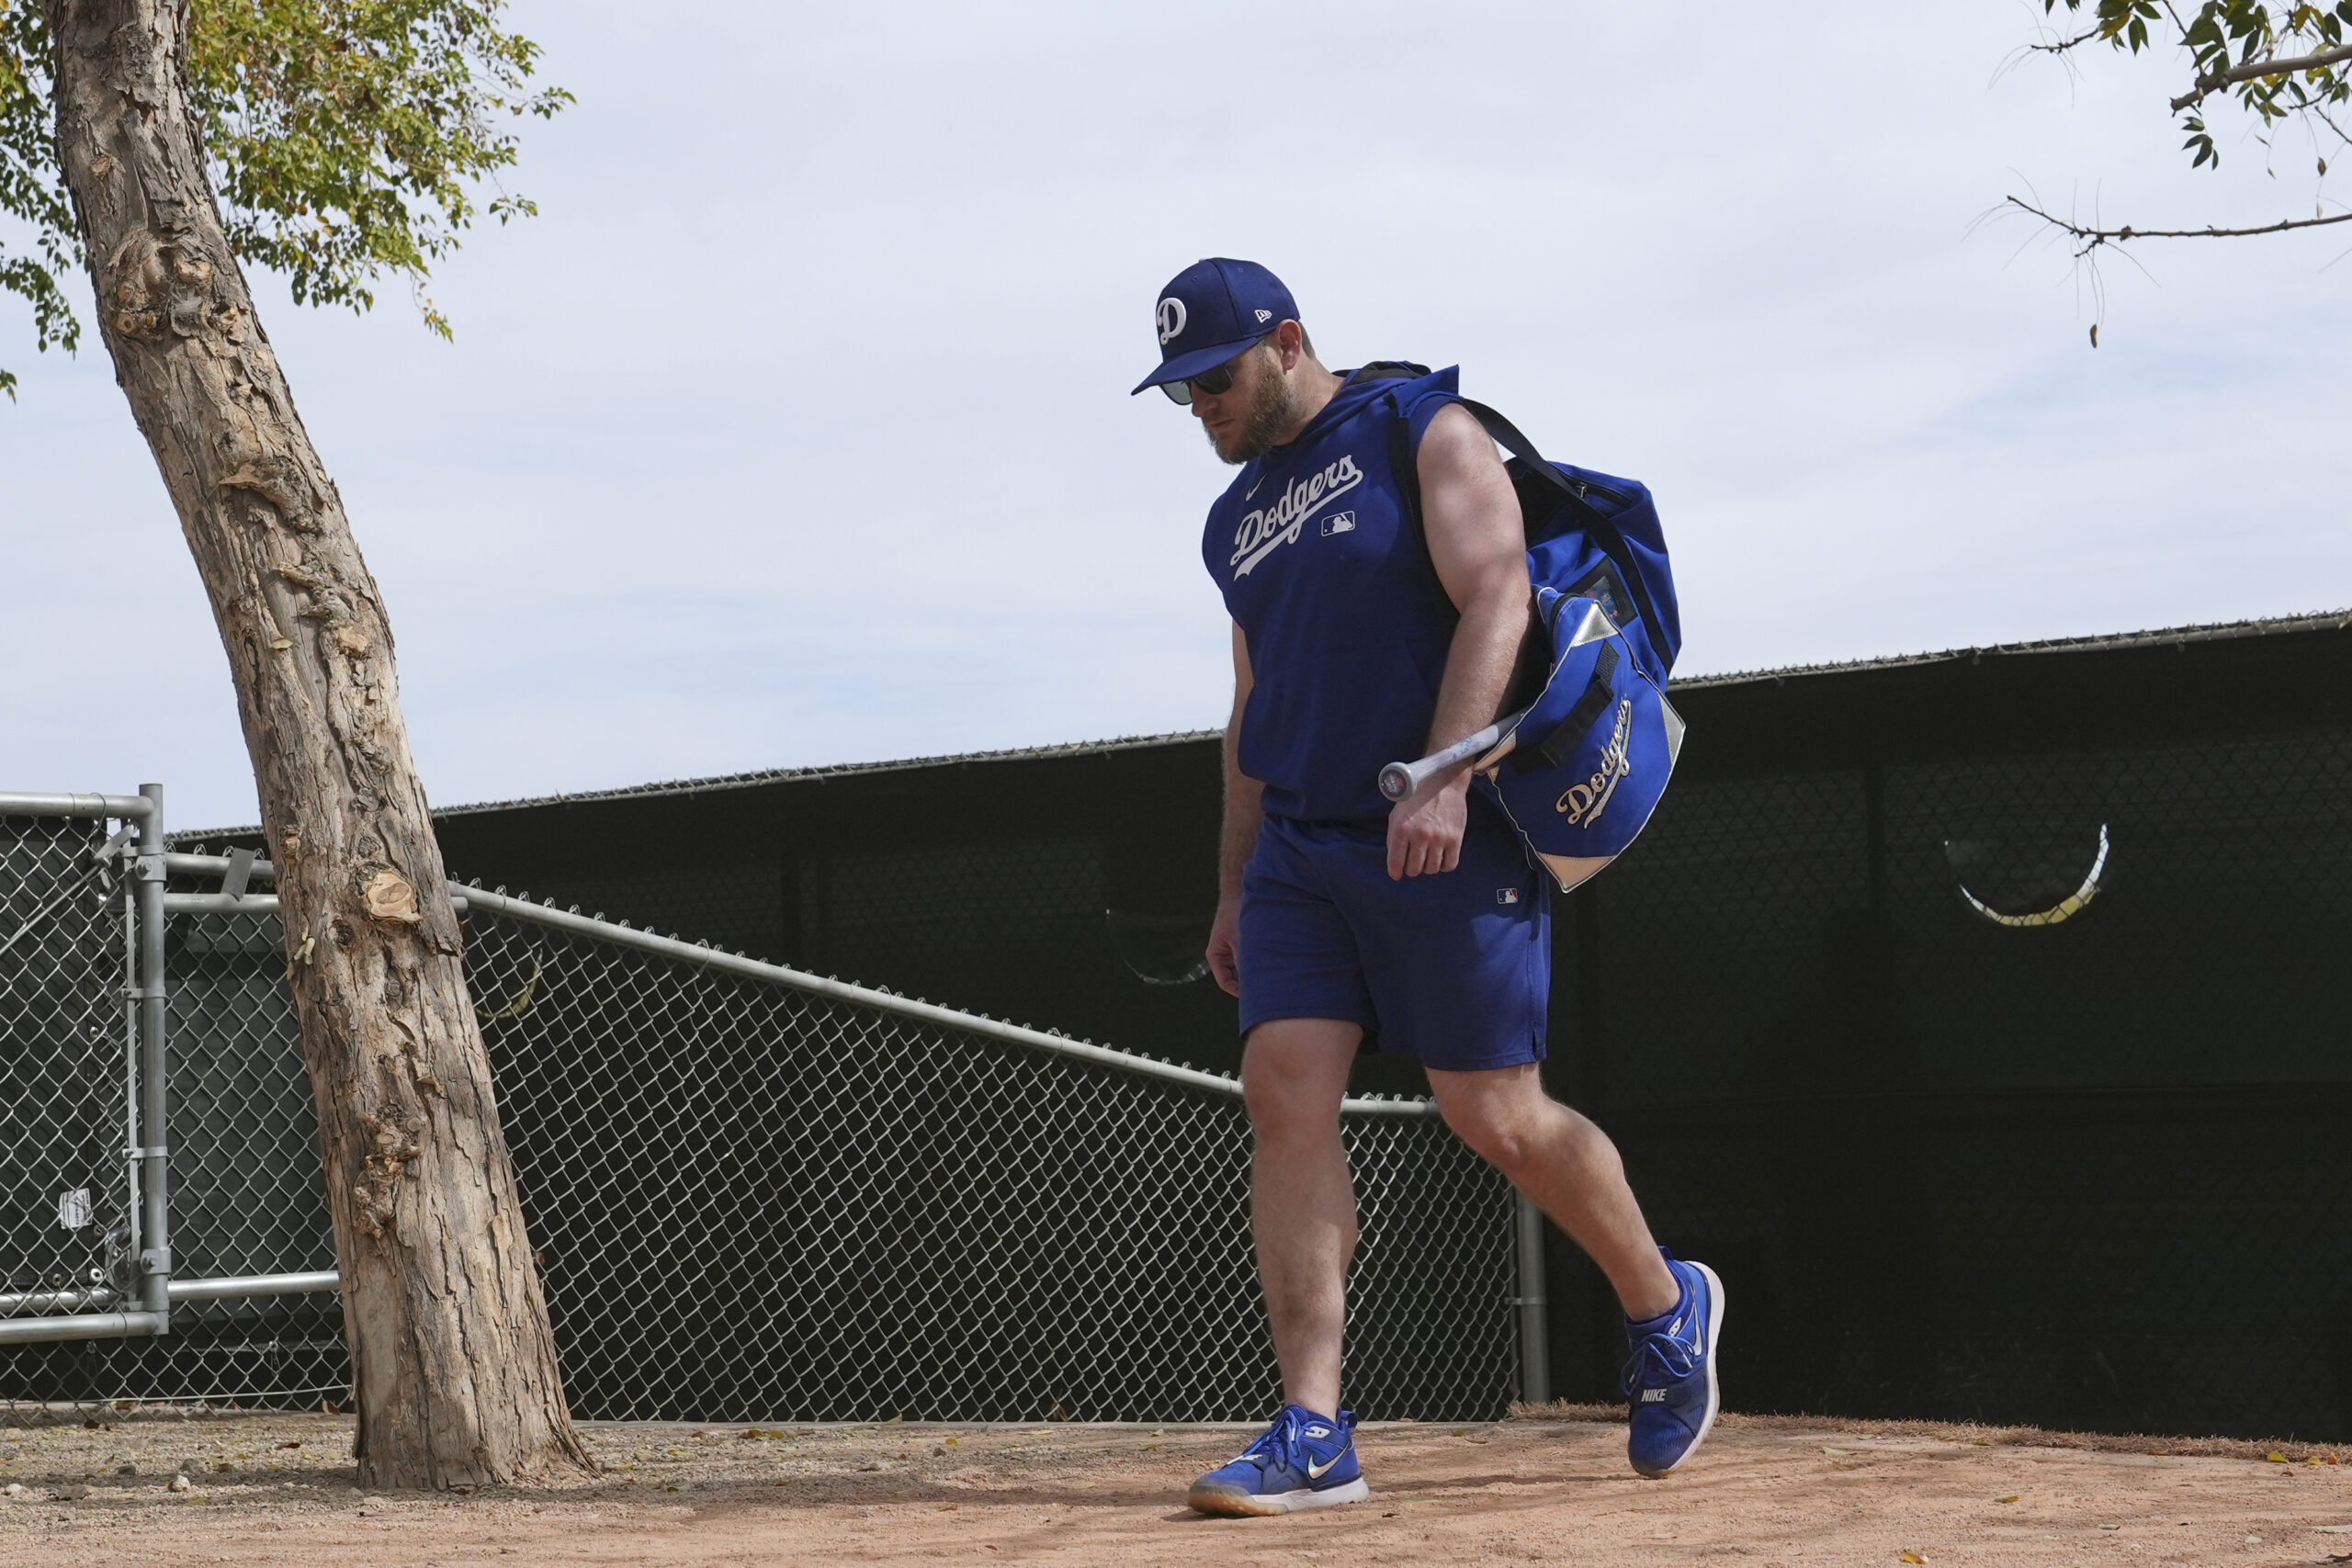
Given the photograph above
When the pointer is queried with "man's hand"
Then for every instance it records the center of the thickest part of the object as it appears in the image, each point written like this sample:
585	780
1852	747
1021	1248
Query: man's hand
1425	830
1225	944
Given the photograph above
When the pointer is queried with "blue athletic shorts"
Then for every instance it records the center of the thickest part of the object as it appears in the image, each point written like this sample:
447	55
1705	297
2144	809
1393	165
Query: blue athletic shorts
1454	970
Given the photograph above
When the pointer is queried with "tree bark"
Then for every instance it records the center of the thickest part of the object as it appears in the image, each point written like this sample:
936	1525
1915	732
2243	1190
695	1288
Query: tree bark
455	1368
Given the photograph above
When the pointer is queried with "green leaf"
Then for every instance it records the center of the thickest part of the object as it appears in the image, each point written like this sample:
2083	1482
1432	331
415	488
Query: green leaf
348	141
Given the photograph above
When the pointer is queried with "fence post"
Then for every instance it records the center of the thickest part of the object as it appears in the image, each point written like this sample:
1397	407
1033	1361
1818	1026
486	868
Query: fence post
154	1068
1535	1333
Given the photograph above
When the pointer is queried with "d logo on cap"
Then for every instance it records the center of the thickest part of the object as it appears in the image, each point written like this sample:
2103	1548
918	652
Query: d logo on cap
1172	317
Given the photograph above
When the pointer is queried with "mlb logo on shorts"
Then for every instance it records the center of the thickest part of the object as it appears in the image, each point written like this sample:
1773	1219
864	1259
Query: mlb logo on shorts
1340	523
1506	895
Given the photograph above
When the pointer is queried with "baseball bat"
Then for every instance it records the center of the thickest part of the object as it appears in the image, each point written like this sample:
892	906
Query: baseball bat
1398	780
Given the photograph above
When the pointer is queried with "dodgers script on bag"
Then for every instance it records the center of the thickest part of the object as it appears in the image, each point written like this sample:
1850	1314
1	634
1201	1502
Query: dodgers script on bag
1584	803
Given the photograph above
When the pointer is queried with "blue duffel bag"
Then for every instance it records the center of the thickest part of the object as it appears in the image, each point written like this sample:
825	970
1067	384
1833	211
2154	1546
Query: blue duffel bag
1580	762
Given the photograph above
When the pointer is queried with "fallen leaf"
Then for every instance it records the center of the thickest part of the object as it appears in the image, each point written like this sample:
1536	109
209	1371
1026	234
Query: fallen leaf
280	644
1825	1449
2010	1498
2275	1456
1914	1557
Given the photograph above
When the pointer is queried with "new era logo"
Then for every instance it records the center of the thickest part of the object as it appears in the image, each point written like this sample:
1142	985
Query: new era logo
1265	315
1506	895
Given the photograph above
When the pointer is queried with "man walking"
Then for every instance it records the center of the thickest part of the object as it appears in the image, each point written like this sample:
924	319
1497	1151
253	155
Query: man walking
1343	918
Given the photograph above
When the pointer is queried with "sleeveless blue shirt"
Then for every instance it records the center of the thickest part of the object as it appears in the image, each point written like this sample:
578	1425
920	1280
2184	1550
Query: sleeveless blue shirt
1347	627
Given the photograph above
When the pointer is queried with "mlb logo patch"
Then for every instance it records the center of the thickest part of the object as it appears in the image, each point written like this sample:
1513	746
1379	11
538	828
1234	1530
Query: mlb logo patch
1340	523
1506	895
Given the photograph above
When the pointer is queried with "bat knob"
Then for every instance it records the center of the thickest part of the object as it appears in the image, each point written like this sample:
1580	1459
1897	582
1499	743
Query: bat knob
1395	781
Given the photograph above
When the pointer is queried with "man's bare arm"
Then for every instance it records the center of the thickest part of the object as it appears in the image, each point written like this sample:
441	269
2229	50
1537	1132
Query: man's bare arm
1243	812
1477	543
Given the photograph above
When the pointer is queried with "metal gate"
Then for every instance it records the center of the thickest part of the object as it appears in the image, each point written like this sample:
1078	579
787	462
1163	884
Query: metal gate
87	1246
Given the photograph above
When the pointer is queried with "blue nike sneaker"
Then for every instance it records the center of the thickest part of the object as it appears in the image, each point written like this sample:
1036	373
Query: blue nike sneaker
1305	1461
1671	1377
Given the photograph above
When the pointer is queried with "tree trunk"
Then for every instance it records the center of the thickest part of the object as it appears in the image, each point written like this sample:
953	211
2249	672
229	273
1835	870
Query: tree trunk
454	1365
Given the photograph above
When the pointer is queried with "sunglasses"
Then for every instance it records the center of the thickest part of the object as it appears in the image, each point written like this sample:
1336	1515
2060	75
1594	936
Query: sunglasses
1213	383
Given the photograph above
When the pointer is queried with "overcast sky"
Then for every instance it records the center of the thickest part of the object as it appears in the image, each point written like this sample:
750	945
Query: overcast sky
797	430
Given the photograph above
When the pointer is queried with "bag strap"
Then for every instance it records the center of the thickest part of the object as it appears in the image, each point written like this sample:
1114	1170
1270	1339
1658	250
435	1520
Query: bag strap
1601	528
1554	748
1597	527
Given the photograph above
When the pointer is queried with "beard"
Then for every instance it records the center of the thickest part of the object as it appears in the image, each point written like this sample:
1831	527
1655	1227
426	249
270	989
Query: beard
1273	405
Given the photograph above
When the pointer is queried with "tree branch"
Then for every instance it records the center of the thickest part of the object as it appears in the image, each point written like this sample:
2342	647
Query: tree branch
2062	45
2093	238
2254	68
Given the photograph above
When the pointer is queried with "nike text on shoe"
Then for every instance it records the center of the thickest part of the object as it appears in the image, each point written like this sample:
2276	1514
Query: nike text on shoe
1671	1377
1304	1460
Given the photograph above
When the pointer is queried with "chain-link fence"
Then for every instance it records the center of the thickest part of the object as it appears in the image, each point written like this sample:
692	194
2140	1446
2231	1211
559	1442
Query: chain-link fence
68	1228
758	1194
754	1198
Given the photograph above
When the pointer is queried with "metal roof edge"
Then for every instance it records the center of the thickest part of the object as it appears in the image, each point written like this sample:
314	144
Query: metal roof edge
750	780
2219	631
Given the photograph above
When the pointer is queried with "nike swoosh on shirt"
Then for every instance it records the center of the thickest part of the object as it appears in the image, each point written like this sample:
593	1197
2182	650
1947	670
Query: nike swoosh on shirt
1254	489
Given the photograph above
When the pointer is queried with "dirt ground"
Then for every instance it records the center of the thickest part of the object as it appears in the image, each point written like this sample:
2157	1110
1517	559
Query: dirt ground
152	1487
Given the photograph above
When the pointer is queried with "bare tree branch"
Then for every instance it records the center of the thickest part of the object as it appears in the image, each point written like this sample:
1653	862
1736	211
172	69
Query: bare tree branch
2091	239
2062	45
2254	68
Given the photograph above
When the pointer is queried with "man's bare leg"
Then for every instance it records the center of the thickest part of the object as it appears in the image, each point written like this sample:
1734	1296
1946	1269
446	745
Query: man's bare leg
1568	1168
1302	1202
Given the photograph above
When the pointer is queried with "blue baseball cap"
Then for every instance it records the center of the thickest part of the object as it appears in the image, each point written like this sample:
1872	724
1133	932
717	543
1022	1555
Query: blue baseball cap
1210	312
